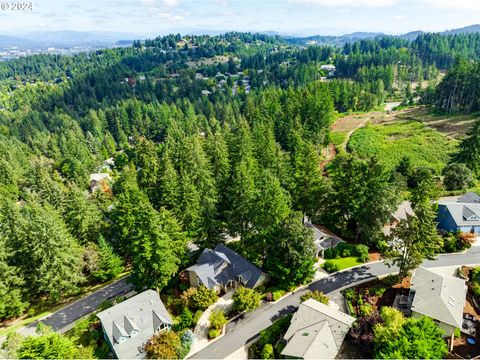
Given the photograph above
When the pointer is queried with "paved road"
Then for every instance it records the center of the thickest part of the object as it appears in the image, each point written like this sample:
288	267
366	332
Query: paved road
81	307
248	328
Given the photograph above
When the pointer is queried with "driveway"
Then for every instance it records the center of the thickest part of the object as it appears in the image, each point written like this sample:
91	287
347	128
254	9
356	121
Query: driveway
84	306
247	329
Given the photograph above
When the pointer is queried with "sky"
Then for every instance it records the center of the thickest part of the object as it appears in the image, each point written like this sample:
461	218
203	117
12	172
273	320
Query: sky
301	17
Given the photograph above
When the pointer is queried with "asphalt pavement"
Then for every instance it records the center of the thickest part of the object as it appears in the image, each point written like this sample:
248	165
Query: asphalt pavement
80	308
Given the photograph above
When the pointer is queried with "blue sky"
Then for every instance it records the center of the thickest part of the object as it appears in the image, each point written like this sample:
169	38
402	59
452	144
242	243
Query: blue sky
153	17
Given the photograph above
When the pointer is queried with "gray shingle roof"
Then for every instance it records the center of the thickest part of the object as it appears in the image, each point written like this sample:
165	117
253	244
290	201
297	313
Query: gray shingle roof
211	269
439	297
469	198
321	240
316	331
461	213
131	323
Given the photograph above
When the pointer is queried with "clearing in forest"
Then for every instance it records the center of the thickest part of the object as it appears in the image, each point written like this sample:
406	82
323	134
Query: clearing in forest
389	142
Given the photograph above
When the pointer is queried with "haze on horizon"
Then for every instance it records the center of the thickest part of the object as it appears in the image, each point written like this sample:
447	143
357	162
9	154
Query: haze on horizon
299	17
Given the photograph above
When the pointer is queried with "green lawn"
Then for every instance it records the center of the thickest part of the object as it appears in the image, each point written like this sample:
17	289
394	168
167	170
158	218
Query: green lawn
390	142
345	263
338	138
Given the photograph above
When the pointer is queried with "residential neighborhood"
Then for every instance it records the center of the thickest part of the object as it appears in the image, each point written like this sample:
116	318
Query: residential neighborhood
282	179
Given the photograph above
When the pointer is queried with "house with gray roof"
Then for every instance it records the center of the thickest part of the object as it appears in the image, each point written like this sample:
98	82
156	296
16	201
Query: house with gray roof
459	213
322	240
403	212
440	297
129	325
224	269
316	331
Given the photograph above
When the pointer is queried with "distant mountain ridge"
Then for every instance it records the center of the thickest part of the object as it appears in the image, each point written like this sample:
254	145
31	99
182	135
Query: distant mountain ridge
65	39
342	39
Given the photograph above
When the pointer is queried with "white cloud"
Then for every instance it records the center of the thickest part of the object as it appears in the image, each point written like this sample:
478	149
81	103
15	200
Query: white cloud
470	5
349	3
171	3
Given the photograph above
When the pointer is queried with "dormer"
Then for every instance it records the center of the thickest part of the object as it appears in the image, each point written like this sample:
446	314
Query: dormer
119	333
130	327
469	215
160	323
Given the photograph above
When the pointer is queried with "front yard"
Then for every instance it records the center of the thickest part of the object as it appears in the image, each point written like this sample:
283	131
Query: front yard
345	263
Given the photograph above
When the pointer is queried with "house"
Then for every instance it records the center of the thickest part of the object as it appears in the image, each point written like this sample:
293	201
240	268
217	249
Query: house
459	213
224	269
322	240
99	179
403	212
440	297
316	331
128	325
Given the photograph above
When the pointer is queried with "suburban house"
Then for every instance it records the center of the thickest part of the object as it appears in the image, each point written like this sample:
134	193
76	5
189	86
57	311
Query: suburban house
316	331
403	211
224	269
440	297
459	213
322	240
129	325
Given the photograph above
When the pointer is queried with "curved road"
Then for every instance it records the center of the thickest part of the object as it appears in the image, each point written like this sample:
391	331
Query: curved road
240	333
61	319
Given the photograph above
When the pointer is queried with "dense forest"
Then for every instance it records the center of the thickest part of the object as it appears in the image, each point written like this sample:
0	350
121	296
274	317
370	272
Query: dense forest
204	138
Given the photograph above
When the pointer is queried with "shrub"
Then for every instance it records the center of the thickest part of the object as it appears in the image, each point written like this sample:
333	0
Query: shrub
213	333
164	345
186	340
267	352
272	334
217	319
476	289
277	294
186	319
457	333
366	309
47	346
197	316
362	252
378	290
390	280
245	299
330	267
316	295
187	297
203	298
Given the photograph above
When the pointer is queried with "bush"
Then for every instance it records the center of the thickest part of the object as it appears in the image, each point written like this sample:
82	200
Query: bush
217	319
267	352
204	297
272	334
186	319
330	267
316	295
197	316
457	333
476	289
164	345
362	252
378	290
186	340
390	280
366	309
245	299
277	294
213	333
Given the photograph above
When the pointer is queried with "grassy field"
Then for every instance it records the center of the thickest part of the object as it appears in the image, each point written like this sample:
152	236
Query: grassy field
346	262
390	142
338	138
